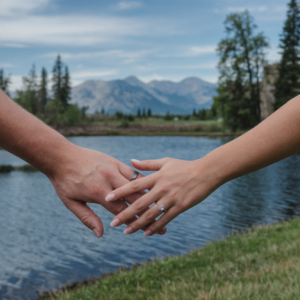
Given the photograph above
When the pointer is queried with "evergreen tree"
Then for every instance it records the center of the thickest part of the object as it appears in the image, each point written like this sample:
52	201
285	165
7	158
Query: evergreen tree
149	113
288	84
28	98
58	80
138	113
4	82
194	112
102	111
144	113
43	91
242	59
66	88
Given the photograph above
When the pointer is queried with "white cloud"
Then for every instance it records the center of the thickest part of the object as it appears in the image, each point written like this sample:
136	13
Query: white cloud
6	65
196	66
127	5
78	30
200	50
113	54
92	74
13	45
13	7
16	82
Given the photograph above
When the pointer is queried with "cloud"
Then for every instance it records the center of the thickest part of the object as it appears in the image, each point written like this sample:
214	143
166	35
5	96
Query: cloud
200	50
152	77
92	74
13	7
113	54
128	5
13	45
78	30
196	66
6	65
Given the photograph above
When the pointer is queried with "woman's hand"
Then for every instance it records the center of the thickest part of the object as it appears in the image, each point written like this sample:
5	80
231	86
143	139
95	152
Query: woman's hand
178	185
86	176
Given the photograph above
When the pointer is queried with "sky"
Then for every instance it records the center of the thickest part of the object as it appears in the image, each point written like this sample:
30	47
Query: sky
109	39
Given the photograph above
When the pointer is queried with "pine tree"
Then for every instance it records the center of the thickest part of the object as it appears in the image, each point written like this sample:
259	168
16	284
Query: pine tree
149	113
66	88
58	80
194	112
43	91
4	82
138	113
144	113
288	84
28	98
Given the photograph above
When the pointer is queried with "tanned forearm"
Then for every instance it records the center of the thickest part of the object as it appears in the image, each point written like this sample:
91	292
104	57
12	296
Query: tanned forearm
29	138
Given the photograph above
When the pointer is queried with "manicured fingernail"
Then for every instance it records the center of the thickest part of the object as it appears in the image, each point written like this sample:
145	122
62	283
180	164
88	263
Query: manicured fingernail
135	160
128	230
110	197
115	222
147	233
97	233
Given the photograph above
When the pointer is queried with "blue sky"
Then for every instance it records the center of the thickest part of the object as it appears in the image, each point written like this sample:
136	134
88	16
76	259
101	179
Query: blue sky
108	39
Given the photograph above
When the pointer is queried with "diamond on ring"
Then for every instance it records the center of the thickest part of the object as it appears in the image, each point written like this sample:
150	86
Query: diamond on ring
161	207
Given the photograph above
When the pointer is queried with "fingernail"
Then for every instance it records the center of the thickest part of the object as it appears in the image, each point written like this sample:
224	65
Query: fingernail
135	160
147	232
115	222
97	233
128	230
110	197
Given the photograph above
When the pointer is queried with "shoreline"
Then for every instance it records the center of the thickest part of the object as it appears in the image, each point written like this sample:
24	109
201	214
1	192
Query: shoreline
253	263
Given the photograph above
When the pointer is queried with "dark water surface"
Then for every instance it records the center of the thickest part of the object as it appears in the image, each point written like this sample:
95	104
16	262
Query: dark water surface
43	246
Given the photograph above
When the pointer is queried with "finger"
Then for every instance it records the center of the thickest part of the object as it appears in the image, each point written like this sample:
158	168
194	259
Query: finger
148	216
131	199
86	216
132	188
136	208
148	165
166	218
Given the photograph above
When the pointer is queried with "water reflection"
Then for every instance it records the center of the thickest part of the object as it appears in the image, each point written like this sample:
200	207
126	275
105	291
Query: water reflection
43	246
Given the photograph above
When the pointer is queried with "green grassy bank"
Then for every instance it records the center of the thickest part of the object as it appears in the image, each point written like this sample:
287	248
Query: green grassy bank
263	263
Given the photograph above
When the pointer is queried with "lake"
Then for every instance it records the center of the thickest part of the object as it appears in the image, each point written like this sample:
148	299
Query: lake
44	247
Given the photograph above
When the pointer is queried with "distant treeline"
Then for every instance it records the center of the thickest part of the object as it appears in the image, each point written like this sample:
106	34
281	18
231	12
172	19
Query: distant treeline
242	60
53	109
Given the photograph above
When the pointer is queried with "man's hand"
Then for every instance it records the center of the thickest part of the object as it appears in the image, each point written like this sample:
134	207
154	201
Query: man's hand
88	176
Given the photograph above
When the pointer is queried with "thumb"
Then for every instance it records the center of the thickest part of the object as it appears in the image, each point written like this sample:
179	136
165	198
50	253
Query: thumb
86	216
148	165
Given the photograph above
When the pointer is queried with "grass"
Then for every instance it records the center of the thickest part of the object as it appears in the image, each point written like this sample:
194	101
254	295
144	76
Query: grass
261	264
9	168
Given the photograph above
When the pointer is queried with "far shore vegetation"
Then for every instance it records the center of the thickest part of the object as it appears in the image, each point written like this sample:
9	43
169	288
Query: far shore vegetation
262	263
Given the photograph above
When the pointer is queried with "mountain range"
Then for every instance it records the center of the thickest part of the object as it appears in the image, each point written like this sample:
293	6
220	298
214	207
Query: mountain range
130	94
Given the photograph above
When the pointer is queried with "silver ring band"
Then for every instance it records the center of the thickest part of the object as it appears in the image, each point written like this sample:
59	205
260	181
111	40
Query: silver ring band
135	175
160	207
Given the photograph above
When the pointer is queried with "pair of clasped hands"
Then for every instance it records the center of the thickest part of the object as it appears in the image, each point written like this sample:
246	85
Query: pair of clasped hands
168	186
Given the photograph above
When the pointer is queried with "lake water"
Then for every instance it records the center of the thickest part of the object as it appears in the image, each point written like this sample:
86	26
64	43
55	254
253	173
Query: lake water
44	247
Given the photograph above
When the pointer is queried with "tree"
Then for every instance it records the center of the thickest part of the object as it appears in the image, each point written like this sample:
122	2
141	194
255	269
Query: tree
138	113
144	113
66	88
58	80
4	82
28	98
242	59
149	113
287	85
194	112
43	91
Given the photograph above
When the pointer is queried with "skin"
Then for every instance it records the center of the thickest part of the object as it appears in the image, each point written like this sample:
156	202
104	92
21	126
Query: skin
180	185
79	175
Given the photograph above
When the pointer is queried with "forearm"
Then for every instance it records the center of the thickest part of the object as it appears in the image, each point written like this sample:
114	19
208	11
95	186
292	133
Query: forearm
29	138
274	139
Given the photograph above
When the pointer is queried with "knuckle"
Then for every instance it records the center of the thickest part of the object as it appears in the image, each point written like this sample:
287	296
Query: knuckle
139	206
135	185
87	220
106	172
